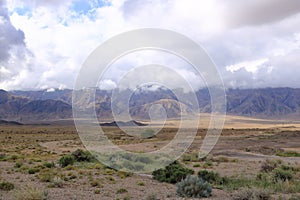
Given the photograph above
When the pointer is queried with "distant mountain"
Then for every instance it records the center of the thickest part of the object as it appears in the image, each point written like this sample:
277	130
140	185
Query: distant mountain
23	109
268	102
172	107
120	123
24	106
4	122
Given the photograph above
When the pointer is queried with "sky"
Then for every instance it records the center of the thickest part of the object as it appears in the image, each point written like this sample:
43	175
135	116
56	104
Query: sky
253	43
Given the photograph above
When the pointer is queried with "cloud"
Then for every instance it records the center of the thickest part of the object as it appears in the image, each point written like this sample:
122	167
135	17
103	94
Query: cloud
258	12
45	42
10	37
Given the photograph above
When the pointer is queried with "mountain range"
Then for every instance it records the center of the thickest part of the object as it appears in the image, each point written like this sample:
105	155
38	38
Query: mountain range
24	106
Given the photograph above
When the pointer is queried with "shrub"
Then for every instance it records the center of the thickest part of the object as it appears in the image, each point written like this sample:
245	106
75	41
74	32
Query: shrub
6	186
95	183
186	158
126	198
281	175
172	173
190	157
270	165
18	165
212	177
30	193
141	183
66	160
252	194
193	186
46	176
49	164
80	155
121	191
33	170
57	182
97	191
123	174
151	197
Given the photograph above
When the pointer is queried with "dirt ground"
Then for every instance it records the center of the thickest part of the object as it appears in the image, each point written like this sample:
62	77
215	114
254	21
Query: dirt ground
239	152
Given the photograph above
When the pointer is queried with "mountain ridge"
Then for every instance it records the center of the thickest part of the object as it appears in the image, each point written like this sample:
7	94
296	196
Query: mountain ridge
41	105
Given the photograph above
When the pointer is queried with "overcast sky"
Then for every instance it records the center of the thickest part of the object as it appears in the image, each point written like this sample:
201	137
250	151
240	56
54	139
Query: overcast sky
254	43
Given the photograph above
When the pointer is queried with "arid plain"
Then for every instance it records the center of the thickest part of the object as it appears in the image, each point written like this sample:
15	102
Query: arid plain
30	160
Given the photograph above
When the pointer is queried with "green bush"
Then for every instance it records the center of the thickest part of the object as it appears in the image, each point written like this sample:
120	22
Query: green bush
6	186
18	165
49	164
282	175
80	155
121	191
33	170
172	173
66	160
193	186
212	177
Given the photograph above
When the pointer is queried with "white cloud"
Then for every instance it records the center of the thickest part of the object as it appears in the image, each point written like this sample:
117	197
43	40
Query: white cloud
250	50
250	66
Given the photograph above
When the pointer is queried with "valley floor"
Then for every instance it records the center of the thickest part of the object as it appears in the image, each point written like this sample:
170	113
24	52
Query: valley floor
29	157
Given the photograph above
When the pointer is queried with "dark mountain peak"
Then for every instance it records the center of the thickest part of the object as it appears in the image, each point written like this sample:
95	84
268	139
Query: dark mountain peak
121	123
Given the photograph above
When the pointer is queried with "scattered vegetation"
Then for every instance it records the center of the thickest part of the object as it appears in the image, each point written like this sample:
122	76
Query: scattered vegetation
280	174
288	154
190	157
252	194
46	176
193	186
270	165
212	177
